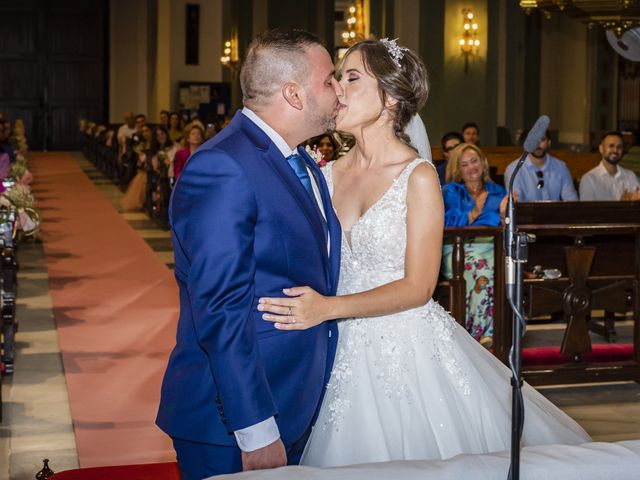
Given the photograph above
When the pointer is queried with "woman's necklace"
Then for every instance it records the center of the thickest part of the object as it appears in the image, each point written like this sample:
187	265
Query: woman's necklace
474	192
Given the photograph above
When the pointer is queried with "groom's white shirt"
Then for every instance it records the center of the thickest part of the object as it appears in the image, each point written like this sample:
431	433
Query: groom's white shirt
266	432
286	151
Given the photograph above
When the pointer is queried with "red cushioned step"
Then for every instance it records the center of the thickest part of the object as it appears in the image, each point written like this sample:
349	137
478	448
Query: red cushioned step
600	353
151	471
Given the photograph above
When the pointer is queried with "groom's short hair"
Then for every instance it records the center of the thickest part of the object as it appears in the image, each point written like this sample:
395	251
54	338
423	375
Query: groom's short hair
274	58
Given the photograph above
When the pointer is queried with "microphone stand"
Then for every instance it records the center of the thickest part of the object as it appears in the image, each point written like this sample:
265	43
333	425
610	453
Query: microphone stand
516	253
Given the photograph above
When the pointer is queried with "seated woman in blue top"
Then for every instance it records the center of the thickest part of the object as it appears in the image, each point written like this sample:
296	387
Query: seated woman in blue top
472	199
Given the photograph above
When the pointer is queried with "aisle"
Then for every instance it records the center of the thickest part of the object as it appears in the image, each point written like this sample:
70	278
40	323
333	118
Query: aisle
115	306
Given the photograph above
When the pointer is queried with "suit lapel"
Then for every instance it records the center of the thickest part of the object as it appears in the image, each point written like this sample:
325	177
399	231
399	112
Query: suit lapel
290	180
273	157
335	232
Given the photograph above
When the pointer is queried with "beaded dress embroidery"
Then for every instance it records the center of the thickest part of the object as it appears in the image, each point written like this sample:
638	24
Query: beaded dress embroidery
372	255
415	384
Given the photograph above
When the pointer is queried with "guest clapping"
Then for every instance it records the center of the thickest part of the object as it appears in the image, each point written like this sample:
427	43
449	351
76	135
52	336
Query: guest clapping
609	181
472	199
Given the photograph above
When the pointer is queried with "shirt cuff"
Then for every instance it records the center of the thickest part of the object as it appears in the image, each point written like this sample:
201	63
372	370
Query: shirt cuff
257	436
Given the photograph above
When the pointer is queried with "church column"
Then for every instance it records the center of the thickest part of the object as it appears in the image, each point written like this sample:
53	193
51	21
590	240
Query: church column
160	98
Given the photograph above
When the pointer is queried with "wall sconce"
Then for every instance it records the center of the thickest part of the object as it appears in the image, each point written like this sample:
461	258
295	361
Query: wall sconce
469	43
355	24
230	54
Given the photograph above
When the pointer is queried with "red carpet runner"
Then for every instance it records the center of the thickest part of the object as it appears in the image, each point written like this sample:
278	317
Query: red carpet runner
116	308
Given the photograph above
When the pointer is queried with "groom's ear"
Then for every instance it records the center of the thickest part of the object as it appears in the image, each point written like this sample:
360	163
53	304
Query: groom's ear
292	93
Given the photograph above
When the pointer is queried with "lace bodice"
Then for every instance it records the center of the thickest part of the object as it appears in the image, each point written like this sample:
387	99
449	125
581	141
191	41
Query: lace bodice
374	256
373	250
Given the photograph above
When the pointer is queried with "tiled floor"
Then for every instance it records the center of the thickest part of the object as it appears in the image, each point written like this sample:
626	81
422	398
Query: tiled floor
37	423
36	418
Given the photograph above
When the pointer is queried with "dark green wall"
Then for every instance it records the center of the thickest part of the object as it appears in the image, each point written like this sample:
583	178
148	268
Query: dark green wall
315	16
431	48
381	18
456	96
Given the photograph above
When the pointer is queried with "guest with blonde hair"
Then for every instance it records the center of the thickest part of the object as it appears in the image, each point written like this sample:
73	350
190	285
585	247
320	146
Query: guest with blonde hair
471	198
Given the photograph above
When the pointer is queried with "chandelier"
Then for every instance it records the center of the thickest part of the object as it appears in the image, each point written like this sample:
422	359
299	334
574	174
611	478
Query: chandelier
355	24
616	15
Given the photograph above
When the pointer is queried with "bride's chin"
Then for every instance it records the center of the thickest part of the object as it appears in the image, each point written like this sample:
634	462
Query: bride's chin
343	127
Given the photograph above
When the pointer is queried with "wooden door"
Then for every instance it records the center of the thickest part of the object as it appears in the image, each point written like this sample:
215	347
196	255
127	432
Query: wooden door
52	67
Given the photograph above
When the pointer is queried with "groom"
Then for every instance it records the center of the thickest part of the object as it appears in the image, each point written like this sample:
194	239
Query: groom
251	215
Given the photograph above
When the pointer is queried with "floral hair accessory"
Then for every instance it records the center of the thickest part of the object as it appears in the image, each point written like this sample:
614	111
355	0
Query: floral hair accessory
395	51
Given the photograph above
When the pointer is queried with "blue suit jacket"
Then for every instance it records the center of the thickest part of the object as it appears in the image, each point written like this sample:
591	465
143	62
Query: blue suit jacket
244	227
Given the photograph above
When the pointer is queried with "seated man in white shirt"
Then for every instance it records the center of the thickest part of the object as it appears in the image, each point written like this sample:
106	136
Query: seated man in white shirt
608	181
127	129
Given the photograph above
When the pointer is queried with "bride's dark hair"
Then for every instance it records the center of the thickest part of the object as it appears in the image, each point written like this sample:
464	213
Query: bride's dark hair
408	84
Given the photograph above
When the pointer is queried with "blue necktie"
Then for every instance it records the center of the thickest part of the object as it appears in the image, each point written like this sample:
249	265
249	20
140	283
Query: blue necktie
300	167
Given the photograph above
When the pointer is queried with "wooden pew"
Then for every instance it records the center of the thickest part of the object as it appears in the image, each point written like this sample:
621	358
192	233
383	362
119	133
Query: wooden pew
596	246
8	275
501	157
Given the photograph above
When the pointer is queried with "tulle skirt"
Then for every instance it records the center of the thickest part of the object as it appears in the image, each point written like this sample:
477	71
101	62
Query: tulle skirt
416	385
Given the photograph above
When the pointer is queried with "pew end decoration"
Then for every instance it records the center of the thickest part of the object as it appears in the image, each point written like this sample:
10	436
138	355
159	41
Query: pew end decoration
18	196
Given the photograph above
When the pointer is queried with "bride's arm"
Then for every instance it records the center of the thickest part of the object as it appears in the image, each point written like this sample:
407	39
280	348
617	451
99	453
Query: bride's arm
425	214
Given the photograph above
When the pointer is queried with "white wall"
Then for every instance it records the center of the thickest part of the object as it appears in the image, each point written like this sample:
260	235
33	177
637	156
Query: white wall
143	76
128	58
210	44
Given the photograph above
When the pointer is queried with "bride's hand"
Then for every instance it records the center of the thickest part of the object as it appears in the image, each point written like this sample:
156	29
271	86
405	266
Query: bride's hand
303	308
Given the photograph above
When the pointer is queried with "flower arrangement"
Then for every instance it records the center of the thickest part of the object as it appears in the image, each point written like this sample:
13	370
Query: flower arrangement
21	198
316	156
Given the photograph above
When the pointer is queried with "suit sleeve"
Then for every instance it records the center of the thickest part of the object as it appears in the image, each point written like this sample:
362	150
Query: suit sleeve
214	214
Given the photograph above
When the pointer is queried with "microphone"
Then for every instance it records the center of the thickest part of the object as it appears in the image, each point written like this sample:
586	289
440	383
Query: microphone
515	250
535	134
532	141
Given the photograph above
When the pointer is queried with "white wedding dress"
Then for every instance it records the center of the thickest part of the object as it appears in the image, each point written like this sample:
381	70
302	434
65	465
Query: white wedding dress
414	385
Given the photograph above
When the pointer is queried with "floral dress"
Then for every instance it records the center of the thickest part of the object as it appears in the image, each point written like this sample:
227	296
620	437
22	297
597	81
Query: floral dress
478	253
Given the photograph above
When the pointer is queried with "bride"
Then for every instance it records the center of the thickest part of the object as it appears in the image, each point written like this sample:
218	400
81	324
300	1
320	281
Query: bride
408	382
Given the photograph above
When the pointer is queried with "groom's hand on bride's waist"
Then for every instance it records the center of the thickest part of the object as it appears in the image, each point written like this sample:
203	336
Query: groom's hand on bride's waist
271	456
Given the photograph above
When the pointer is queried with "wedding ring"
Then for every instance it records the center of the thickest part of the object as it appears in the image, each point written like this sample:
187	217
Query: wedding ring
293	320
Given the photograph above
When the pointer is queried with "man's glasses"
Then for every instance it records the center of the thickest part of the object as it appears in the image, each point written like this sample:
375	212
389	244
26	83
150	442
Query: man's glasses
448	149
540	176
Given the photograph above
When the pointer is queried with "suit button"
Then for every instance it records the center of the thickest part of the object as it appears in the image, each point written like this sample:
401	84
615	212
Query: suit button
329	333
